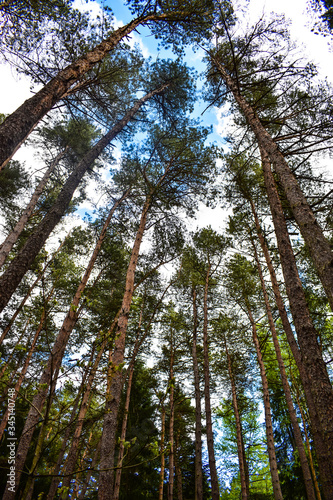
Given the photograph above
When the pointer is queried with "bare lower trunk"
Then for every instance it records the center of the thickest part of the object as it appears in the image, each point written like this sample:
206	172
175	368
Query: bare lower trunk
309	448
319	387
12	238
55	479
268	419
25	366
285	321
54	362
160	487
293	417
106	478
171	425
22	262
208	410
198	430
178	474
318	245
240	444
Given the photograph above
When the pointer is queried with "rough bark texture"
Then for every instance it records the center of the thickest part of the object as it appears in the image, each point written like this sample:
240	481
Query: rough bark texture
240	445
56	470
320	403
284	317
54	362
292	413
319	247
197	393
20	265
208	410
268	418
106	476
16	128
12	238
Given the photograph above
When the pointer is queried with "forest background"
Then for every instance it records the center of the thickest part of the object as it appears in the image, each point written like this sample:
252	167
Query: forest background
144	352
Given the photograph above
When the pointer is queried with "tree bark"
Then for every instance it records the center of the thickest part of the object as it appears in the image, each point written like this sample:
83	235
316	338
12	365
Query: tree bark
208	410
197	392
106	478
71	459
318	245
292	414
284	316
56	470
171	421
20	265
16	128
12	238
25	298
55	359
161	484
320	403
25	366
245	487
267	407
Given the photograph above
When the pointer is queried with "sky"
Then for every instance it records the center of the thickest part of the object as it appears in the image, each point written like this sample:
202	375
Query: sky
14	89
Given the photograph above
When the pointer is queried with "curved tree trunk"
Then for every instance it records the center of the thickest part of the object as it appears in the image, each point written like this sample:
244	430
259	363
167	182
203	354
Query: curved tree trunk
22	262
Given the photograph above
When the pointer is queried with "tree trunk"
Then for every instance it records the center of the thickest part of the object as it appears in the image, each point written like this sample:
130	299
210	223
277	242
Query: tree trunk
71	459
55	359
178	474
208	411
25	366
20	307
309	448
320	403
55	472
16	128
161	484
20	265
105	490
240	444
319	246
198	431
88	475
171	422
292	414
285	320
12	238
268	419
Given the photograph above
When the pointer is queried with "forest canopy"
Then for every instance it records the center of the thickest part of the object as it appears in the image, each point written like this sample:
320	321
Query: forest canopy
145	353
